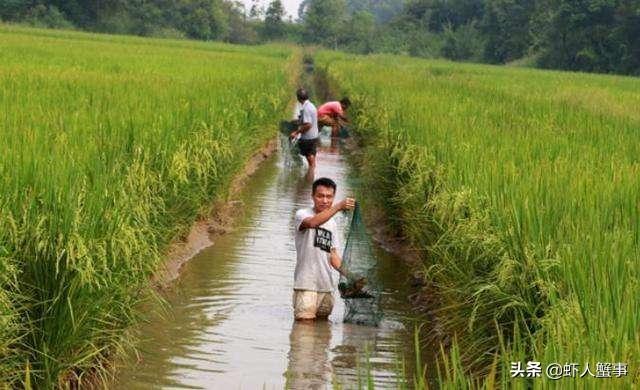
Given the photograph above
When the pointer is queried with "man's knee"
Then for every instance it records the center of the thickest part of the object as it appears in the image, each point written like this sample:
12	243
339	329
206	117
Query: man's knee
325	307
311	159
304	304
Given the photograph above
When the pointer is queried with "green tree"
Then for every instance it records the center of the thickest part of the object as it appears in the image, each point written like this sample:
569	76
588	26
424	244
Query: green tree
505	27
359	33
589	35
256	10
324	21
81	13
273	24
237	28
382	10
436	15
626	34
302	9
11	10
203	19
463	43
47	17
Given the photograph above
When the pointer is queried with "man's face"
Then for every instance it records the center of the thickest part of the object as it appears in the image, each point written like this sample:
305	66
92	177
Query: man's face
323	198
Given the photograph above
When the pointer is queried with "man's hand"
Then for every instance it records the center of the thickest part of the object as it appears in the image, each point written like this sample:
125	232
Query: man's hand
323	216
293	135
347	204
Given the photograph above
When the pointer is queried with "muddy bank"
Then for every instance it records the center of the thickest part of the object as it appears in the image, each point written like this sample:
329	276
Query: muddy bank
204	231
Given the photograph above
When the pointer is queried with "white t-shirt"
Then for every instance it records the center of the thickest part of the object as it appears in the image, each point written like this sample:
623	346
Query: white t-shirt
296	111
309	114
313	249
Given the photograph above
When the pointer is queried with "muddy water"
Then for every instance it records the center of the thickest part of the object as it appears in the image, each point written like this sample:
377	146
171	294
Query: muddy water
230	322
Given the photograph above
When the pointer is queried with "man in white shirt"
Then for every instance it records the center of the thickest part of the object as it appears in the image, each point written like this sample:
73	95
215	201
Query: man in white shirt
317	252
307	128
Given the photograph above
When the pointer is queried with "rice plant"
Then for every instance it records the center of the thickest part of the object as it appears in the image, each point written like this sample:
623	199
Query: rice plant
520	188
111	147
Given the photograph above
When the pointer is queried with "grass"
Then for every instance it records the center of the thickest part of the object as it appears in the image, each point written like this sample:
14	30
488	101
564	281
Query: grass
519	188
112	147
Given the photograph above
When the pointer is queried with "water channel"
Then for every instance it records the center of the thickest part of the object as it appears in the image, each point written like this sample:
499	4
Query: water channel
230	322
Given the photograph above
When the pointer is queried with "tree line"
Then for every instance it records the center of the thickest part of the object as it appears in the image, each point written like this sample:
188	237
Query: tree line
585	35
194	19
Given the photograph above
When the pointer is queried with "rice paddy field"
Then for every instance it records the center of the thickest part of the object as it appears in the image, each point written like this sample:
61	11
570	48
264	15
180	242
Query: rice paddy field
520	190
112	147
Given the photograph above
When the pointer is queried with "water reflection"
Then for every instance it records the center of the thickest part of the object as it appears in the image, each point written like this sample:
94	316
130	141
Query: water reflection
309	366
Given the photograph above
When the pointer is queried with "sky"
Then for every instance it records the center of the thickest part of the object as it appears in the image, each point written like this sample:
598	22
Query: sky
291	6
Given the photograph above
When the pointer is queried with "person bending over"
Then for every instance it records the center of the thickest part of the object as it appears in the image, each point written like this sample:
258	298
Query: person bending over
333	114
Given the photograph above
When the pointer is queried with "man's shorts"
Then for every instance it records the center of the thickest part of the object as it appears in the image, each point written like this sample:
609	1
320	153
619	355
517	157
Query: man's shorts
327	120
308	146
308	305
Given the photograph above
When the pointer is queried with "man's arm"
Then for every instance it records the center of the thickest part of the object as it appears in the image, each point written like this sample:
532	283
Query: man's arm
323	216
336	261
303	128
306	123
340	114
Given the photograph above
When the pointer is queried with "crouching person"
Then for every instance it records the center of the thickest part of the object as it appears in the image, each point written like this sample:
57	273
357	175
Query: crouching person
317	246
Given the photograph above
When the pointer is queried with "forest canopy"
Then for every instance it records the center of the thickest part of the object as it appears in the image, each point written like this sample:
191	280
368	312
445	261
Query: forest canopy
584	35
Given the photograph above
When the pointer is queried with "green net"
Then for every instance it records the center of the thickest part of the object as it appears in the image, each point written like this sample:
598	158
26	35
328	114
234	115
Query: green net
344	132
289	149
287	127
358	283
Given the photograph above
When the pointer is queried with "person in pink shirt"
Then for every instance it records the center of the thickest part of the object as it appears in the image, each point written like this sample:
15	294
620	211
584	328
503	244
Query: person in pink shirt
333	114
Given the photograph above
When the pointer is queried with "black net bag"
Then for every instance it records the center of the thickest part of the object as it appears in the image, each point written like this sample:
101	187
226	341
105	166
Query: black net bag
358	283
288	127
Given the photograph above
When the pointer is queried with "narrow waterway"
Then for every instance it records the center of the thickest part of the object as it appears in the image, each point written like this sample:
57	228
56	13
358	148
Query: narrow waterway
230	322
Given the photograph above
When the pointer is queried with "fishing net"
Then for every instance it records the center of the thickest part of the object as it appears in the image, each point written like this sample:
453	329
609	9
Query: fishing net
344	132
290	150
358	284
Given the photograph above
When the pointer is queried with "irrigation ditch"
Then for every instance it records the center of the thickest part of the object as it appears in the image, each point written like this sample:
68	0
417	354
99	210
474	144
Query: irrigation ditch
228	320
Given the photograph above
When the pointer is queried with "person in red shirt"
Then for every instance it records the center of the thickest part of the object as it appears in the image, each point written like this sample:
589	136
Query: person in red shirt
333	114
